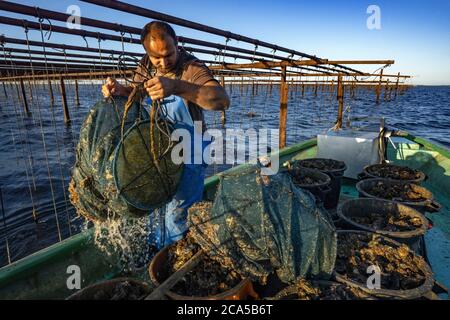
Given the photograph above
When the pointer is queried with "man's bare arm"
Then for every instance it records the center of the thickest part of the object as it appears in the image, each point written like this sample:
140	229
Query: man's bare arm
113	88
210	96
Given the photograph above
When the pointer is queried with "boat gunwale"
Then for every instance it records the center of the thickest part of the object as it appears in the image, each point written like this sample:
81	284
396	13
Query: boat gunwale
29	264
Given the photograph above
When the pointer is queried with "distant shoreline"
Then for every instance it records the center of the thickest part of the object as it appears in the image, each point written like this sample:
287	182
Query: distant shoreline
430	85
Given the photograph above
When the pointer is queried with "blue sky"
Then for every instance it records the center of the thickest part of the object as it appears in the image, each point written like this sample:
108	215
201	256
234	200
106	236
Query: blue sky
414	33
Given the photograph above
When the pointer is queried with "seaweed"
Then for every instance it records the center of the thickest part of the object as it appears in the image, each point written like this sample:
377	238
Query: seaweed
407	192
400	267
322	164
300	177
393	172
124	290
392	221
207	278
303	289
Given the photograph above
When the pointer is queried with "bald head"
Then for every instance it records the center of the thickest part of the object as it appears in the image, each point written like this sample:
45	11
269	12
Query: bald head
157	30
160	43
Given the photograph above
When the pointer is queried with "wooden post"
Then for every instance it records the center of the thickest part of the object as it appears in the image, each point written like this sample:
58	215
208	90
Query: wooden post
4	89
24	96
396	86
222	81
315	89
15	85
353	89
386	90
379	87
391	88
331	90
253	88
77	97
31	91
292	89
303	89
223	118
340	98
50	91
284	91
242	85
350	89
64	100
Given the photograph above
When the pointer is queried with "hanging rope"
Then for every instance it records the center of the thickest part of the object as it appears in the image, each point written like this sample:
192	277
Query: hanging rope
100	49
225	51
253	57
5	227
27	154
122	33
43	137
158	118
65	61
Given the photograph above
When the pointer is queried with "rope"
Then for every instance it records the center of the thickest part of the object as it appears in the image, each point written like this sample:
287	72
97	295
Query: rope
23	134
15	146
157	115
65	61
5	227
43	139
122	33
100	50
225	51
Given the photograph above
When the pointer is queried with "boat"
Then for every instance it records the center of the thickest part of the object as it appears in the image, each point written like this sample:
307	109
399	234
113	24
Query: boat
44	274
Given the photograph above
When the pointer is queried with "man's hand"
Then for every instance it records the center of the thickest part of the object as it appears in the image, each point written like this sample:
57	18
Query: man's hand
113	88
160	87
210	96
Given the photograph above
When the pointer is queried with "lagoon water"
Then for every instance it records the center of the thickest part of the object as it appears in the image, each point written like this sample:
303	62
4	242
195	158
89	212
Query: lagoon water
37	151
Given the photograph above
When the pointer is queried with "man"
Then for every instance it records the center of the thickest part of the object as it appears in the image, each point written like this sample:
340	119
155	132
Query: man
185	86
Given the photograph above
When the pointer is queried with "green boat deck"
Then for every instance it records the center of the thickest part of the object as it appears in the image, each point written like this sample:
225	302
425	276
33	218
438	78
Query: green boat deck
43	275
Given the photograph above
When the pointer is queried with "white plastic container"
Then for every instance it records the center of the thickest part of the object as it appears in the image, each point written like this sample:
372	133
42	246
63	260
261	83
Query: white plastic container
356	148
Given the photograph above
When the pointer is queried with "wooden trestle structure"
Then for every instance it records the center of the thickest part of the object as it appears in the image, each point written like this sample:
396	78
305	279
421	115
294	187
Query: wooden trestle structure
248	61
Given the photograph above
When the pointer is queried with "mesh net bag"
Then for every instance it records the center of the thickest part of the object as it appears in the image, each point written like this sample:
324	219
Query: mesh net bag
92	188
262	224
145	175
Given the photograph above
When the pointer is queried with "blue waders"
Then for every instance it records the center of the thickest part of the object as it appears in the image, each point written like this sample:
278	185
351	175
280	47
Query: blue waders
169	223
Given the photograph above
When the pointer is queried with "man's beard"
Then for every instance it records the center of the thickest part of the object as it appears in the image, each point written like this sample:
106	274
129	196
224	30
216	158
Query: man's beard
162	72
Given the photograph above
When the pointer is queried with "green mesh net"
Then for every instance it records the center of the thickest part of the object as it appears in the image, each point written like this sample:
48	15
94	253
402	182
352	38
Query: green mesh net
260	224
92	189
144	171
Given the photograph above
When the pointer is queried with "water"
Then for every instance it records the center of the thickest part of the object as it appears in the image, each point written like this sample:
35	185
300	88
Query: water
124	241
37	151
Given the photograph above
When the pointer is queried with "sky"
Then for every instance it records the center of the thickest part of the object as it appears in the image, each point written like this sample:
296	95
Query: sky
416	34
